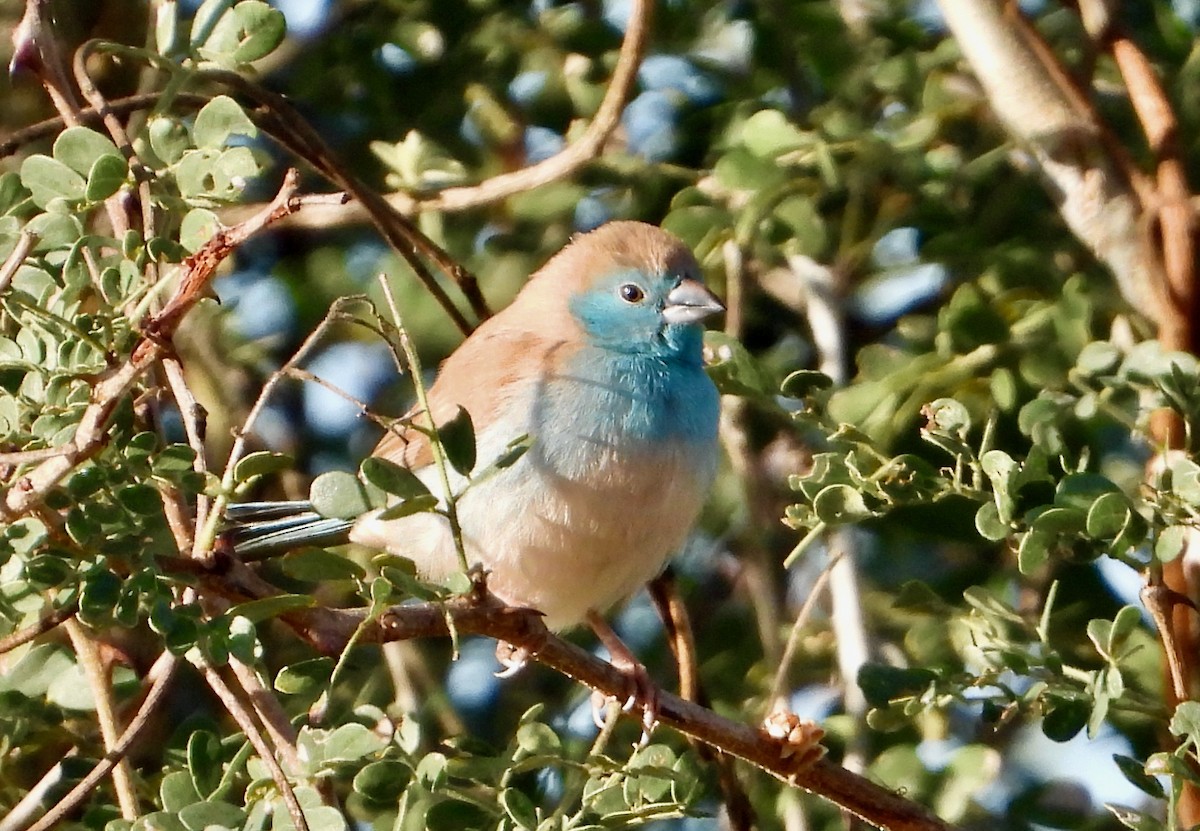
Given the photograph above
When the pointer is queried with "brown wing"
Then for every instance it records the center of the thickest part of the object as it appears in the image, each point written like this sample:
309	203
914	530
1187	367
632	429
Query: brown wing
476	377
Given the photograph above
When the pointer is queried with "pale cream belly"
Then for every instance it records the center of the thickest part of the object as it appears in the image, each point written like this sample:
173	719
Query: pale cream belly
560	546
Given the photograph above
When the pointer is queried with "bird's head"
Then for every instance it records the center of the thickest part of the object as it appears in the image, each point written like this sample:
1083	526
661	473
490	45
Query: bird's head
631	287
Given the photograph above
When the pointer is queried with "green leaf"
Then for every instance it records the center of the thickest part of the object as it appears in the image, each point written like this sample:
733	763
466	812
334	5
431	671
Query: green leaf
245	33
408	507
177	791
392	478
351	742
70	690
159	821
198	227
261	463
989	523
204	758
79	148
840	504
431	771
739	169
338	494
304	677
201	815
49	179
1185	721
167	34
520	809
106	177
948	416
316	565
458	441
1081	490
918	597
219	119
169	138
733	369
1001	470
805	382
98	595
1065	719
970	321
265	608
768	134
384	781
231	172
804	225
1135	820
1108	515
1171	542
144	500
536	739
881	683
194	173
1098	358
1185	480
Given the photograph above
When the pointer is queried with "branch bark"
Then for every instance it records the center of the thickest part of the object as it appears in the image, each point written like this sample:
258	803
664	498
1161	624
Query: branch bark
1101	196
329	630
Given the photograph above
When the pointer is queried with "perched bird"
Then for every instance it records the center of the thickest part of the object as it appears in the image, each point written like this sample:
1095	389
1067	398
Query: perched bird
598	360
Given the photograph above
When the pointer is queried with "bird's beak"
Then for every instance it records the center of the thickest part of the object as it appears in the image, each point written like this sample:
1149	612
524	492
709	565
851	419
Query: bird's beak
691	301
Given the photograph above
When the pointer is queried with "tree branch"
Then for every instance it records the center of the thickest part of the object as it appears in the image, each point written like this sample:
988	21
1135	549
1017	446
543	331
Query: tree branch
1100	195
329	630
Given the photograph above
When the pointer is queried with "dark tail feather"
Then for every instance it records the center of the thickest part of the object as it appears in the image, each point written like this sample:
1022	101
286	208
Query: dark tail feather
261	527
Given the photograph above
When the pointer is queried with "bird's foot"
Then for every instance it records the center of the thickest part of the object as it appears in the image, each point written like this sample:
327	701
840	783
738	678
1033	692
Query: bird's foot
799	739
511	658
641	690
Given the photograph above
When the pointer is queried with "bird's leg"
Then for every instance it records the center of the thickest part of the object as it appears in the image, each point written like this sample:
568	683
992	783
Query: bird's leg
642	690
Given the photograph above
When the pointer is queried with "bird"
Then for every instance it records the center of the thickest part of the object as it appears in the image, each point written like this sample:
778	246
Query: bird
599	361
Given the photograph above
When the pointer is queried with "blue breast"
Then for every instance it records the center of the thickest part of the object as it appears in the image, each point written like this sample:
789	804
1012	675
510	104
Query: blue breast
603	401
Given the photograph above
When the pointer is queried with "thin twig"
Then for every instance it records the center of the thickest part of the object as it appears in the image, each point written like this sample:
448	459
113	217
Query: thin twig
440	460
279	119
270	713
24	245
664	592
162	671
569	159
793	641
91	117
234	706
97	676
26	457
44	625
208	533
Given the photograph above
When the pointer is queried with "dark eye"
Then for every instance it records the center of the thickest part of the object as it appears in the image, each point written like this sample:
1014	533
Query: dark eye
631	293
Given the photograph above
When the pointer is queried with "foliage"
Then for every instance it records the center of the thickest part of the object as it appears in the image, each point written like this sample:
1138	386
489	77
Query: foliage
983	462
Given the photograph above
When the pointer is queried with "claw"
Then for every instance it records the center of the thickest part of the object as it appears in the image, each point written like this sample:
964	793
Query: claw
642	690
511	658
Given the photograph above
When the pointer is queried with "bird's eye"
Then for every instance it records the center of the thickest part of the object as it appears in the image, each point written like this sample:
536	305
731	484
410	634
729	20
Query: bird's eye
631	293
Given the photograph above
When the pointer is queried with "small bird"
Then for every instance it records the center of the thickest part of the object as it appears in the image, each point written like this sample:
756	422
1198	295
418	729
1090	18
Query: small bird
599	361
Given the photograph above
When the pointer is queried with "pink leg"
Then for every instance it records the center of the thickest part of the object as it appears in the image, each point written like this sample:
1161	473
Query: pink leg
643	691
